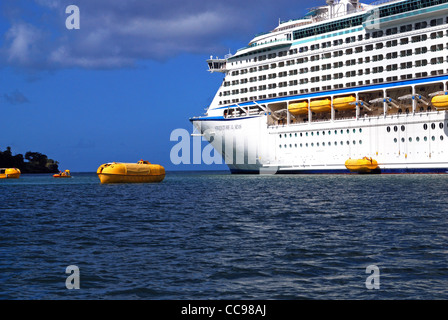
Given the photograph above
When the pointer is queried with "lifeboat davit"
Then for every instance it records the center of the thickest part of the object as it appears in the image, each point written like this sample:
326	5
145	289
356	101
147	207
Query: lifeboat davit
344	103
9	173
298	108
318	106
65	174
440	102
364	165
142	171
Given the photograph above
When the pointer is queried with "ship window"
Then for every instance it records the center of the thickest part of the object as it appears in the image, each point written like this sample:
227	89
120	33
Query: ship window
335	143
290	135
348	142
285	145
395	140
300	145
360	141
335	131
354	130
441	137
329	132
317	144
433	125
410	139
295	145
312	144
354	142
395	128
290	145
418	139
280	146
425	126
342	131
433	138
306	145
402	139
402	128
388	129
425	138
441	125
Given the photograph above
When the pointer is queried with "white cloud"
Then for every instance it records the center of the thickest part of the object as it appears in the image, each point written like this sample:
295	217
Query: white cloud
24	42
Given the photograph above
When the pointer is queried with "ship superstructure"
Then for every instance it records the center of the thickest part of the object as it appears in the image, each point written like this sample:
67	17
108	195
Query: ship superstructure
349	80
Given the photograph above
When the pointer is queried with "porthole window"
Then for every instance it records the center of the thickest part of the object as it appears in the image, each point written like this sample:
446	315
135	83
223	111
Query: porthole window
425	126
329	132
300	133
360	141
354	130
335	131
388	129
317	132
280	136
342	143
348	142
441	137
441	125
306	134
433	126
402	128
342	131
312	144
395	128
306	145
433	138
410	139
395	140
290	145
295	145
286	146
425	138
418	139
317	144
280	146
348	131
402	139
323	133
323	143
354	142
360	130
290	135
329	143
335	143
295	134
300	145
312	133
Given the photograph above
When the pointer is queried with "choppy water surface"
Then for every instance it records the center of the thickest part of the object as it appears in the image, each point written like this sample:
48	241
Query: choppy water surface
212	235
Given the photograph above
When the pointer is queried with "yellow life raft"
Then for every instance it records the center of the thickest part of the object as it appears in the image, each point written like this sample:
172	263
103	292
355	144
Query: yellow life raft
440	102
9	173
65	174
364	165
142	171
318	106
344	103
298	108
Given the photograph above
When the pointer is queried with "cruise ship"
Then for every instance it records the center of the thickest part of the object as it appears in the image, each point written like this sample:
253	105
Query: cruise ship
349	87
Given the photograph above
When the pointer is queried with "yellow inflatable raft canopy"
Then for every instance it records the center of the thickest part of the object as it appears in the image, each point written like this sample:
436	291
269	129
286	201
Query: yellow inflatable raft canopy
440	102
142	171
9	173
364	165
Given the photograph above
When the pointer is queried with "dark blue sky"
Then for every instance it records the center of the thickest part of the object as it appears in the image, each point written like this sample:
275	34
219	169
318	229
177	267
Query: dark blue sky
115	89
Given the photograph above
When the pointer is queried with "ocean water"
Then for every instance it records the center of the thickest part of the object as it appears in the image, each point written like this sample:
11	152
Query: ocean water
212	235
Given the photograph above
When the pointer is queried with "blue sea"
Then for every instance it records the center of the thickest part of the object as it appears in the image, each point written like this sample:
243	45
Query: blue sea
213	235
